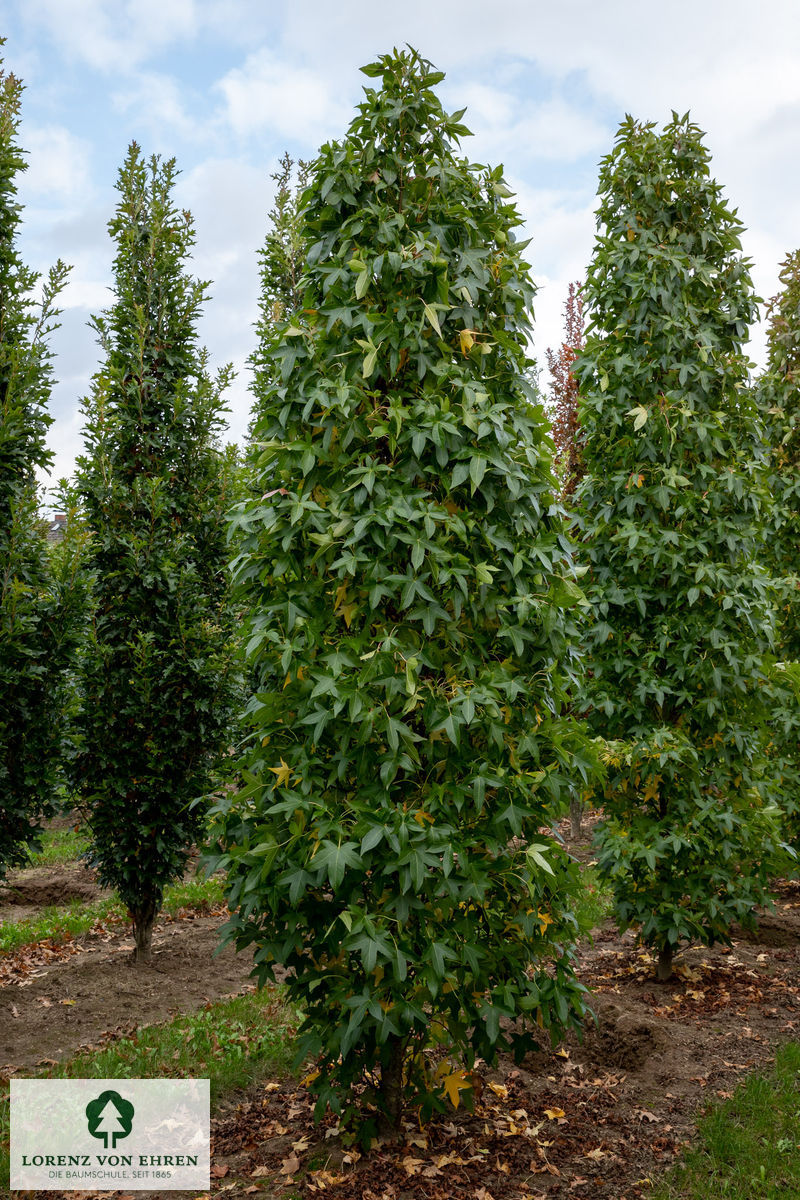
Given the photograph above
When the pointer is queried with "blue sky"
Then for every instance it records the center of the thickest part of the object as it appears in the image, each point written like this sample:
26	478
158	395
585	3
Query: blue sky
226	87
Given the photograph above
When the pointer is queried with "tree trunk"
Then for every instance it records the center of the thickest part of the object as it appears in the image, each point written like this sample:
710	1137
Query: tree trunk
143	917
575	814
664	964
391	1093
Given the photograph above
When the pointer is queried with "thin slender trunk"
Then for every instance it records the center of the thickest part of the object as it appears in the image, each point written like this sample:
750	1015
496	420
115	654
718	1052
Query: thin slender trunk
143	916
575	815
391	1093
664	964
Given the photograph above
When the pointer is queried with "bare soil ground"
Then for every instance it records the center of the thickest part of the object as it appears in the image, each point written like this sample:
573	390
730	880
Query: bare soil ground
57	998
599	1118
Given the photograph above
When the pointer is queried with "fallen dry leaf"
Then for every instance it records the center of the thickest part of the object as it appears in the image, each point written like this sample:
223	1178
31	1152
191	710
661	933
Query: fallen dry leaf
499	1089
218	1172
290	1164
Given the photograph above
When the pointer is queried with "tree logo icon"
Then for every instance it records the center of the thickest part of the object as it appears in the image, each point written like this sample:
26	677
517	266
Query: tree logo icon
109	1117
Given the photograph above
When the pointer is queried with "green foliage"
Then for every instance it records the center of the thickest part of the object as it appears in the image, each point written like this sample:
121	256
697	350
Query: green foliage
672	510
37	633
779	397
411	604
157	676
281	266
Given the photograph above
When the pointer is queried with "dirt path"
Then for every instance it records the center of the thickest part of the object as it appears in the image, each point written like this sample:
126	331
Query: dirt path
55	999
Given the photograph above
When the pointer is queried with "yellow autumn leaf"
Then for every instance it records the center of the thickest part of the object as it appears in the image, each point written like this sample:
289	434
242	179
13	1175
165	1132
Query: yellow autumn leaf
456	1083
467	340
499	1089
544	920
347	612
554	1114
282	774
651	788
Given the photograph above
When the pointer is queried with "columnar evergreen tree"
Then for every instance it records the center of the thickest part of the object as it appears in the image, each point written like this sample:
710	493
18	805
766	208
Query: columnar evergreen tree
157	677
281	265
672	508
779	397
282	257
36	638
410	590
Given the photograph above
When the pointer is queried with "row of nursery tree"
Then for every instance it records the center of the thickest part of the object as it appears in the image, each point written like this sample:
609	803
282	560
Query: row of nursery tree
433	641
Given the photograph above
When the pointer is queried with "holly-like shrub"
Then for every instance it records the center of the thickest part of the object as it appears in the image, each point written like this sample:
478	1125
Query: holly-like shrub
410	595
672	508
37	635
157	674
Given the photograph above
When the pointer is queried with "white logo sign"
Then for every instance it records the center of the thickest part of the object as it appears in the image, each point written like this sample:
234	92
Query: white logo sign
110	1134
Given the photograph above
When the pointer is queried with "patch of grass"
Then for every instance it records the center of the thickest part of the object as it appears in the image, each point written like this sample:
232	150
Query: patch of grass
60	846
749	1146
78	917
194	893
595	902
59	923
233	1043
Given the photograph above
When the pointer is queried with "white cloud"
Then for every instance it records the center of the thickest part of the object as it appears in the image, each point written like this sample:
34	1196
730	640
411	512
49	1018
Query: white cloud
288	100
58	163
156	102
109	36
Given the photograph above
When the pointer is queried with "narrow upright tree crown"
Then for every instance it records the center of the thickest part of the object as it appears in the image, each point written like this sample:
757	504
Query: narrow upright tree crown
779	397
157	676
672	508
34	646
564	392
408	583
779	393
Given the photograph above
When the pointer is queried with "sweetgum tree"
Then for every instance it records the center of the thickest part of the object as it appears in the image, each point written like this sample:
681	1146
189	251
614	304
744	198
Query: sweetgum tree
672	507
779	397
157	675
410	593
37	636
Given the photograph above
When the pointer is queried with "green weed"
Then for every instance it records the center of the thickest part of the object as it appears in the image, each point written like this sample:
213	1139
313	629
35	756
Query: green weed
749	1146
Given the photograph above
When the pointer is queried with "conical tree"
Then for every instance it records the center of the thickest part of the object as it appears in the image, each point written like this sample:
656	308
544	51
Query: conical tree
157	677
779	397
672	508
36	639
410	591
